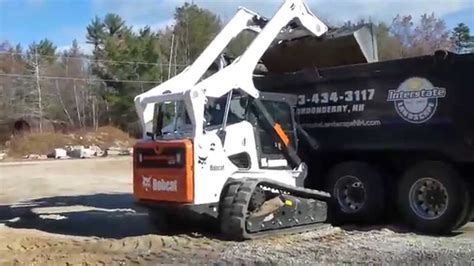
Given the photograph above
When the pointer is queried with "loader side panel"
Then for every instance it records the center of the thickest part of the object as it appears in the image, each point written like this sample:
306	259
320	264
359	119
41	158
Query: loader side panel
163	171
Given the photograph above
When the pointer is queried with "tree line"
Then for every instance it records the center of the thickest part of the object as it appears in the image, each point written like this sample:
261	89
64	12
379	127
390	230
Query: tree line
87	91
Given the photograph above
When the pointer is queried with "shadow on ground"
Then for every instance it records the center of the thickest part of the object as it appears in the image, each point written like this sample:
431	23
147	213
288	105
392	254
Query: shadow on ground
112	216
100	215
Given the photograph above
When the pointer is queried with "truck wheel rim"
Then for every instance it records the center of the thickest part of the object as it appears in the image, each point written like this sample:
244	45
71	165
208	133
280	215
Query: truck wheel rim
350	193
428	198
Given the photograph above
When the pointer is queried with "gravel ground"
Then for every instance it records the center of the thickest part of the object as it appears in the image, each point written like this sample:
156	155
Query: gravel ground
82	212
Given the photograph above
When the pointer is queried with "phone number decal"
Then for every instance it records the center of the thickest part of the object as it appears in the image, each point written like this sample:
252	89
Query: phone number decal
335	97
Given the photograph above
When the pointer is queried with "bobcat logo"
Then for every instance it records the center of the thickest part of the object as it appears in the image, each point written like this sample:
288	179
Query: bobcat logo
202	161
146	182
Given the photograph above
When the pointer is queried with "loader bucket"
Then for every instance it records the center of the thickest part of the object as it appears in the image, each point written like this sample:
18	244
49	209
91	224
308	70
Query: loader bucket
336	48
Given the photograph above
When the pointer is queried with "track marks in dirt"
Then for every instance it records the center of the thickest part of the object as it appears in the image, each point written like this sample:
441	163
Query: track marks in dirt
148	249
332	245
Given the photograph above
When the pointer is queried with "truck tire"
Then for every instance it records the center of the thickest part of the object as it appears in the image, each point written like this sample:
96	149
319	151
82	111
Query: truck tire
357	193
468	211
433	198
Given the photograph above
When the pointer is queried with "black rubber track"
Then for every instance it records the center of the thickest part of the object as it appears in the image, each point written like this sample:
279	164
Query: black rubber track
235	201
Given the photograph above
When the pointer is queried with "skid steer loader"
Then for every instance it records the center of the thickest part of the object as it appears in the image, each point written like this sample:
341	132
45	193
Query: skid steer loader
225	149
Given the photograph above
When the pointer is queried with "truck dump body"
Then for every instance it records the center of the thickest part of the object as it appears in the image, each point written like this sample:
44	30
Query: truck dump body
414	104
339	46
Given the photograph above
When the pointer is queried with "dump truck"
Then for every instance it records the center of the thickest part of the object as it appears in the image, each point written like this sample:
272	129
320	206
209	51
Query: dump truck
395	138
256	150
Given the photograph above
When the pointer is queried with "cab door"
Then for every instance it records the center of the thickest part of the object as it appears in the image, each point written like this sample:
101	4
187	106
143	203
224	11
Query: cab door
269	150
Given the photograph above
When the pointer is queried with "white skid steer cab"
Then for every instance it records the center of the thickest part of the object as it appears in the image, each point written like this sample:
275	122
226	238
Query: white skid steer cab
222	148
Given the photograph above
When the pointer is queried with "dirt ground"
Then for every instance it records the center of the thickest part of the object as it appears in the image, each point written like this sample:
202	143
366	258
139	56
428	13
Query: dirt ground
82	212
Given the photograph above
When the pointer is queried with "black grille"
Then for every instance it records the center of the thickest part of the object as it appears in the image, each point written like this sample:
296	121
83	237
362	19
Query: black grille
147	158
241	160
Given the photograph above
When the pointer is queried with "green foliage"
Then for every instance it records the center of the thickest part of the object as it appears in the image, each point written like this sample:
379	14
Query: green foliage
113	25
120	48
18	49
44	48
95	32
122	53
463	41
195	28
125	55
74	51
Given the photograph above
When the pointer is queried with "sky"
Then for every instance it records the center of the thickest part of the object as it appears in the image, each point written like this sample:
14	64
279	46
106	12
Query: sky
27	21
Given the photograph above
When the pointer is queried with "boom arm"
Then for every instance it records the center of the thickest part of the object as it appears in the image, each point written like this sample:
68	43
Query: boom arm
244	19
239	73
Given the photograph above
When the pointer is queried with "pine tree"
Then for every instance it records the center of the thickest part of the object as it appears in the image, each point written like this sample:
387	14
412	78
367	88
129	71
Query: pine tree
462	38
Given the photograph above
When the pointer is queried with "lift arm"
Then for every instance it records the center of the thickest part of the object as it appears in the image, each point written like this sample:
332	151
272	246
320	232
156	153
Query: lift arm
244	19
239	74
